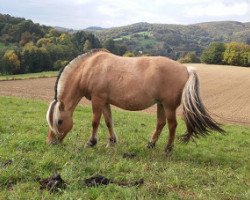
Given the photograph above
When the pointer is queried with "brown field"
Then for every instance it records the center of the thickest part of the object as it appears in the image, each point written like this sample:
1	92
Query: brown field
225	91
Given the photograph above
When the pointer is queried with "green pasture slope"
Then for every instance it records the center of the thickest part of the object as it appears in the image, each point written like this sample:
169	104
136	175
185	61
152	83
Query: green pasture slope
217	167
29	76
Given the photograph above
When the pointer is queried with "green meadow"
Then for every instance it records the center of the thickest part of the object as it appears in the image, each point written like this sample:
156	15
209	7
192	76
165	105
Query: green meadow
29	76
215	167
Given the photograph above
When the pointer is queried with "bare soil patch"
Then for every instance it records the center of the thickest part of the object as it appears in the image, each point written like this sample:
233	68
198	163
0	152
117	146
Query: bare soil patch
225	91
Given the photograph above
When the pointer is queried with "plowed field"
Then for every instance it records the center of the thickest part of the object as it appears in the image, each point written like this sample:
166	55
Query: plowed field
225	91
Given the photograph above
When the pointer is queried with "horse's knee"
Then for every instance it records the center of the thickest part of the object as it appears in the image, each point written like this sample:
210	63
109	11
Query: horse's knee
108	124
161	124
95	124
172	123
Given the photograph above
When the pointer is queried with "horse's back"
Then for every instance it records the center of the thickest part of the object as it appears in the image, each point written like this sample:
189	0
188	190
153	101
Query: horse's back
135	82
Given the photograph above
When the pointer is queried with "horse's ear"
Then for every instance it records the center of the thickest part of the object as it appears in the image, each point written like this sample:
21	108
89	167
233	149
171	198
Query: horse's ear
61	106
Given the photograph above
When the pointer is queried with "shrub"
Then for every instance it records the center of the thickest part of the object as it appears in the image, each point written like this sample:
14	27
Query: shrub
189	58
59	64
237	54
213	54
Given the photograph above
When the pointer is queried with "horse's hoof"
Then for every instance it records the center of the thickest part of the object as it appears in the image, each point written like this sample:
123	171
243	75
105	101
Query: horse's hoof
151	145
112	142
53	142
169	150
91	143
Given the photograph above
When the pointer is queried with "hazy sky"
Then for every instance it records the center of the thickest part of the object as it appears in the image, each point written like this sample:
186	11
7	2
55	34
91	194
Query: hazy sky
78	14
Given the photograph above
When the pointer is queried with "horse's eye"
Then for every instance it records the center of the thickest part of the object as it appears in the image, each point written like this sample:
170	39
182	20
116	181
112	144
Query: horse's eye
60	121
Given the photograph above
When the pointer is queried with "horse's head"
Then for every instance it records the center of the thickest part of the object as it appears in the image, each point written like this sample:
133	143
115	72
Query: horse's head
59	120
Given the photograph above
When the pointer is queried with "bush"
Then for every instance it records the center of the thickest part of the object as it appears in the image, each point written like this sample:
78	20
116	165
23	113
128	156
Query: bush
59	64
237	54
213	54
189	58
10	63
129	54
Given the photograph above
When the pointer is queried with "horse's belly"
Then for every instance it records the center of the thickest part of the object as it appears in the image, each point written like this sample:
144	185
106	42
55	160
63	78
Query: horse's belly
133	103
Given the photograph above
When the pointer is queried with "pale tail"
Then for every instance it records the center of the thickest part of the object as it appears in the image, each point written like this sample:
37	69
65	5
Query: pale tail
197	118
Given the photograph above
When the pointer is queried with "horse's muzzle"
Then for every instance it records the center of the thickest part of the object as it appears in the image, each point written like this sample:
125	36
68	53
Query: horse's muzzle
53	138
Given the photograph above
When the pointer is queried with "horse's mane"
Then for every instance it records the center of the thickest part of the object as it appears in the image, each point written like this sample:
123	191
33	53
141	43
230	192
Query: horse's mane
64	72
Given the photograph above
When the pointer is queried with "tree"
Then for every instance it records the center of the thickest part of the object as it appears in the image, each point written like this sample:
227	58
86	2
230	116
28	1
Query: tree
53	33
11	62
25	38
59	64
43	42
129	54
2	66
213	54
79	38
237	54
120	50
35	59
95	43
110	45
189	58
87	46
65	39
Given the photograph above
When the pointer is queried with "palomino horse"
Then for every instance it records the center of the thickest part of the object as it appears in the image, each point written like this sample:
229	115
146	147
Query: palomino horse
132	84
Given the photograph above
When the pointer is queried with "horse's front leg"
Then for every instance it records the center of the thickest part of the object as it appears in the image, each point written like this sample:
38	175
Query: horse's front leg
97	108
108	120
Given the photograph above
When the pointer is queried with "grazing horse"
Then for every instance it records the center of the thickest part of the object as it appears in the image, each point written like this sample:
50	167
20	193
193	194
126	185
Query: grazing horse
131	84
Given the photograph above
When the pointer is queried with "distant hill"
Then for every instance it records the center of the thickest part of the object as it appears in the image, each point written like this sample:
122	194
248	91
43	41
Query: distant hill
175	40
153	39
94	28
62	29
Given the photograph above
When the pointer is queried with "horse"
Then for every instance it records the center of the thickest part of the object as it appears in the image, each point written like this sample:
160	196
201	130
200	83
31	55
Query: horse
130	83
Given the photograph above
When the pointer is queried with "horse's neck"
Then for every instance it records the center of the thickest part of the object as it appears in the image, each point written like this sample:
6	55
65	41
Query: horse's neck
70	96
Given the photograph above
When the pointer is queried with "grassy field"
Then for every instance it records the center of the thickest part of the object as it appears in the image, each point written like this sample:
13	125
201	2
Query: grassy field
29	76
217	167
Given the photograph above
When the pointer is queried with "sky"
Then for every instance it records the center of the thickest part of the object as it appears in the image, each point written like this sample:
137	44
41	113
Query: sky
79	14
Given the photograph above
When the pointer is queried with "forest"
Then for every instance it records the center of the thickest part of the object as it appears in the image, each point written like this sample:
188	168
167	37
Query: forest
30	47
26	46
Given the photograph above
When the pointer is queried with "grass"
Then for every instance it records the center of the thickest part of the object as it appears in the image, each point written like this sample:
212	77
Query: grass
217	167
29	76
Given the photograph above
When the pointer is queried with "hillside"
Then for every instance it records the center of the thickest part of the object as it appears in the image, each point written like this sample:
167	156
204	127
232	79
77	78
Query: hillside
26	46
175	40
169	40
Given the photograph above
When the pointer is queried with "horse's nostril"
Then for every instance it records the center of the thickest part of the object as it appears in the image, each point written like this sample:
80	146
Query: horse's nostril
60	121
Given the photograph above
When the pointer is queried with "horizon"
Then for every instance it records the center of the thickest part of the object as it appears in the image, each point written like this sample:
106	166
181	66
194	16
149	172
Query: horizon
56	26
81	14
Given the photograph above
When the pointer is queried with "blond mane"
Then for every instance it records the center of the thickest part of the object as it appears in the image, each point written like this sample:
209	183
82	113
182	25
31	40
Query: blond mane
63	74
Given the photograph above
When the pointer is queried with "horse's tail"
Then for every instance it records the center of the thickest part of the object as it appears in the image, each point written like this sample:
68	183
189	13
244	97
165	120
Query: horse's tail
196	116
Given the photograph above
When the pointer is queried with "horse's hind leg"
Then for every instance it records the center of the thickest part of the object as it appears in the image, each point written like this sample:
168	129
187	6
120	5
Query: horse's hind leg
97	108
172	124
161	122
108	120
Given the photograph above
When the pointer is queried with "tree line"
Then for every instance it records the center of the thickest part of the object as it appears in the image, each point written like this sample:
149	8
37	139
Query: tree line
233	53
29	47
